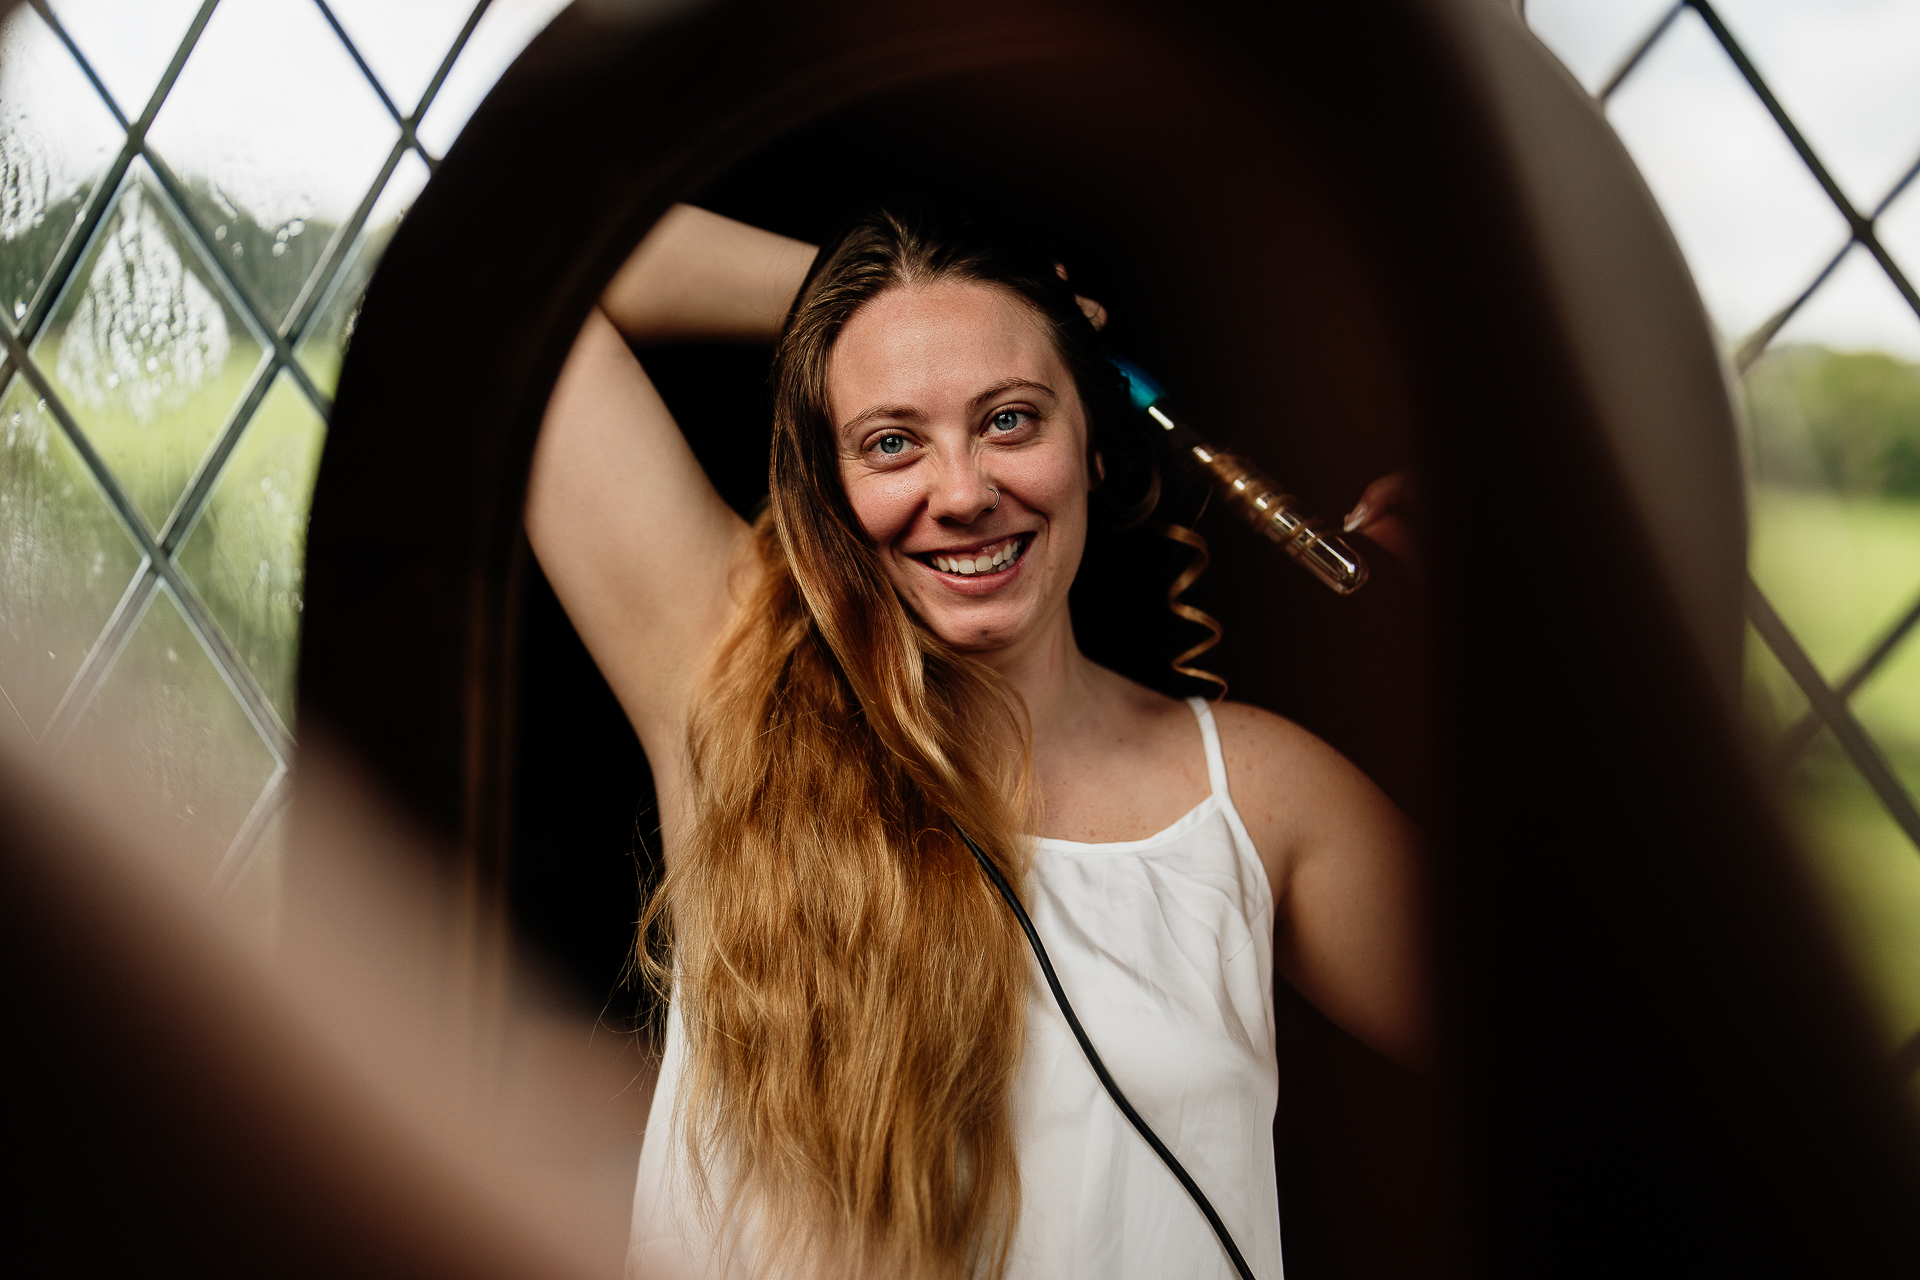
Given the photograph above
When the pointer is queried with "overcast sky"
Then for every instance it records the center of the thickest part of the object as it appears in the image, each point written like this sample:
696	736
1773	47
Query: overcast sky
271	107
1753	223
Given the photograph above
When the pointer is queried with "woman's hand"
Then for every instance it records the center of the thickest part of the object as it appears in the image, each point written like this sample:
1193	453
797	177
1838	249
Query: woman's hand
1383	515
1094	312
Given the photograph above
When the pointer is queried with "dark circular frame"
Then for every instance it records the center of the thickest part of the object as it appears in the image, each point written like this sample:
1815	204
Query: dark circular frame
1633	979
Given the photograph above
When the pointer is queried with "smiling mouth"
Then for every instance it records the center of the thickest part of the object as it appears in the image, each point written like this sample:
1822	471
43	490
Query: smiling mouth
987	560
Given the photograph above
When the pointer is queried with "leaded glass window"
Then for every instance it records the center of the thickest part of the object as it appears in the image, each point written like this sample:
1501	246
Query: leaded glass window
193	195
1782	140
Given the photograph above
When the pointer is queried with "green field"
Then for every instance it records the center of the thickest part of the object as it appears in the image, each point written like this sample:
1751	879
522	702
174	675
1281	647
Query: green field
1841	570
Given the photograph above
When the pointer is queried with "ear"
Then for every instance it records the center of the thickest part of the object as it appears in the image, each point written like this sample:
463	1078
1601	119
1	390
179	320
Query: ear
1099	476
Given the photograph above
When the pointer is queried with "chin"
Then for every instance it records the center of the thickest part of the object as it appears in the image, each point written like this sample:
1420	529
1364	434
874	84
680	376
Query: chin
977	634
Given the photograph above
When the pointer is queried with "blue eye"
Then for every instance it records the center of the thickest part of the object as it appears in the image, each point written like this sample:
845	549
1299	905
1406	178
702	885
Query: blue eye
891	445
1006	420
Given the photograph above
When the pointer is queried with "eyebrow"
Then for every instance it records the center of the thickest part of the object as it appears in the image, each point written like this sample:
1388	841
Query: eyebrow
910	414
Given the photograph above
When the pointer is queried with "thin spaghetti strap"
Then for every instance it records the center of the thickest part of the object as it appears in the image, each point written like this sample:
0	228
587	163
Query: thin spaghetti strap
1216	763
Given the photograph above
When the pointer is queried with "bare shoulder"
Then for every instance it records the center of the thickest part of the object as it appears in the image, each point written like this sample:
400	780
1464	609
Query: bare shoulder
1267	752
1295	793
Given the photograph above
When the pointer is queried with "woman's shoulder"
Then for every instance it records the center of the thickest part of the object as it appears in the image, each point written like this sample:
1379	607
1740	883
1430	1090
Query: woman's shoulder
1258	742
1286	782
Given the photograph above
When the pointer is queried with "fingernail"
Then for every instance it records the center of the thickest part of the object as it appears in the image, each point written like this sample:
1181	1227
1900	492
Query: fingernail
1355	518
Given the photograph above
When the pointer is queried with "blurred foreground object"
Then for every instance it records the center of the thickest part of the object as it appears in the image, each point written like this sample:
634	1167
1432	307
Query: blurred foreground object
187	1104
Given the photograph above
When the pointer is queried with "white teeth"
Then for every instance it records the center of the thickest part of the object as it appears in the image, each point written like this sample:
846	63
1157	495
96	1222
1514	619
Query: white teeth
982	562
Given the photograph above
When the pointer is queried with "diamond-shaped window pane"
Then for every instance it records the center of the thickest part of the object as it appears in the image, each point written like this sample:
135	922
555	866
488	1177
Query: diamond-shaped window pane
1753	222
1836	519
145	350
247	556
325	343
1848	77
1871	875
56	140
1593	39
1889	705
278	136
128	43
507	27
1806	557
65	559
403	44
167	737
1856	309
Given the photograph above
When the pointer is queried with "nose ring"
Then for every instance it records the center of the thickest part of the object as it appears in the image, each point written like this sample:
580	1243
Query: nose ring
996	497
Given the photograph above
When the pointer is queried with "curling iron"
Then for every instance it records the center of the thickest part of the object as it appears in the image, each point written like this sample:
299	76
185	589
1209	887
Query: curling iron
1250	494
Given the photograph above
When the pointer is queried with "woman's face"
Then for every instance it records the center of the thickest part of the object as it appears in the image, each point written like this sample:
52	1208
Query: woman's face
940	395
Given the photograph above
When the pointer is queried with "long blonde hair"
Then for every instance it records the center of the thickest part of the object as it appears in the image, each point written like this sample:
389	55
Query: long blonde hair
852	989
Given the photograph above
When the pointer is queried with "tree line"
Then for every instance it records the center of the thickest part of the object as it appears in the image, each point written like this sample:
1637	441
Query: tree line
1846	421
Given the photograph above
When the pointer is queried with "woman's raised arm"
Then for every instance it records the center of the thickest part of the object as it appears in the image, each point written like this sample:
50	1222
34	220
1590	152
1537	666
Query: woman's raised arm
638	545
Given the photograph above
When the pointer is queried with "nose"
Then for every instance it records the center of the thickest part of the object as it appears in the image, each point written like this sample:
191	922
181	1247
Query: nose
962	493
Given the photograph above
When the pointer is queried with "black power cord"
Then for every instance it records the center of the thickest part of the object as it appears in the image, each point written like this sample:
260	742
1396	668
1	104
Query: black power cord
1100	1068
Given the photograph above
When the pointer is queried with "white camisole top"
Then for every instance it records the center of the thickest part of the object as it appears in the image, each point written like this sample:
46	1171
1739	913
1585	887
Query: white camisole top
1165	947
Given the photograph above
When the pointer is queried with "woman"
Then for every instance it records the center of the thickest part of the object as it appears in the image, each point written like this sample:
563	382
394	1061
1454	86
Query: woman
860	1075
